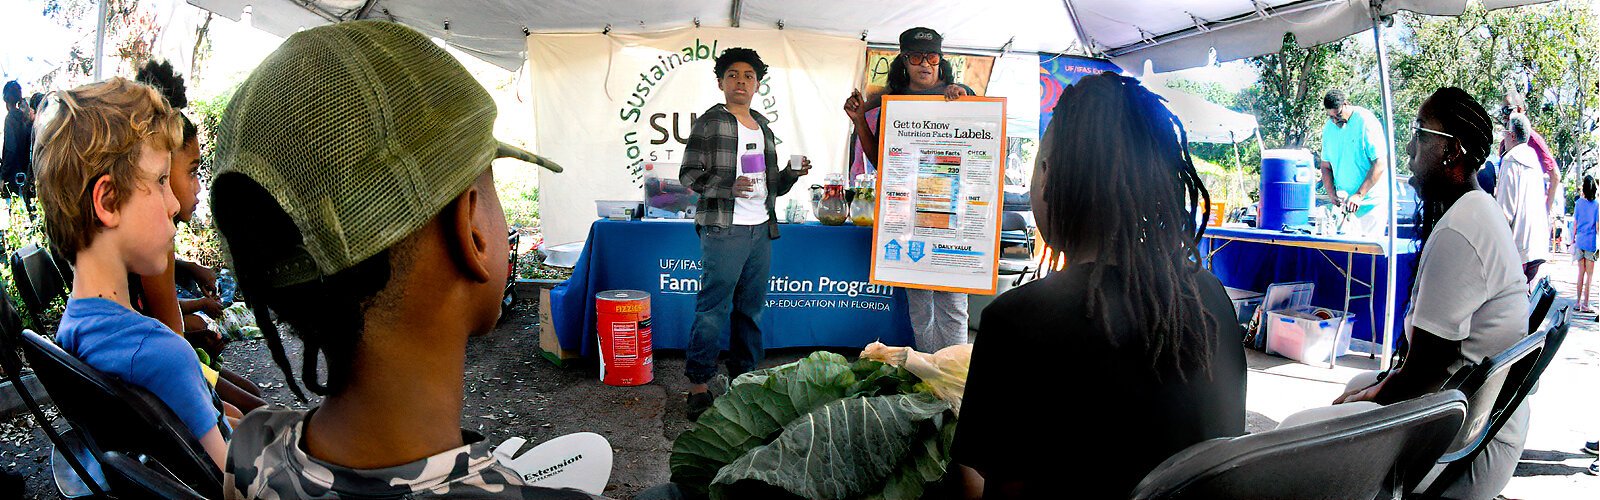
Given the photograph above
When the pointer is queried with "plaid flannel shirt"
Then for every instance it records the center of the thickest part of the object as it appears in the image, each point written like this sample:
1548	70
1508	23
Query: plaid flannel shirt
710	165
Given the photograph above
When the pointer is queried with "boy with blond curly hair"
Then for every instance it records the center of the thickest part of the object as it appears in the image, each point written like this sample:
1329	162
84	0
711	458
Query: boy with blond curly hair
102	157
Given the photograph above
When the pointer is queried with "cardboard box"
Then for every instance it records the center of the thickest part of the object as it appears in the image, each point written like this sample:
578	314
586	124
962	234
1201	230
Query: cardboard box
549	345
1296	330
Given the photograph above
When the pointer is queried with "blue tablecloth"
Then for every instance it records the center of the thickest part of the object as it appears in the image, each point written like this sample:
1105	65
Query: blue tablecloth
1253	265
1293	239
818	297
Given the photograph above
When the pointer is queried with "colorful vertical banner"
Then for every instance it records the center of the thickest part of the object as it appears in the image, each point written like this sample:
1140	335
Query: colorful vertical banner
1056	72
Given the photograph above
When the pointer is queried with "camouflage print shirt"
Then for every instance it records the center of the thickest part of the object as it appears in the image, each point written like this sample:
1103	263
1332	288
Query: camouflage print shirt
265	462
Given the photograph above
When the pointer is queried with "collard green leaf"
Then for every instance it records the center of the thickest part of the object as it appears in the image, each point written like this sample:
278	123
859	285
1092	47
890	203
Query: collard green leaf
758	404
924	465
875	378
847	448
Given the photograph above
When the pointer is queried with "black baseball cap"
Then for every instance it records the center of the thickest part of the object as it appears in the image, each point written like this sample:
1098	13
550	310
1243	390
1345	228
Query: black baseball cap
921	39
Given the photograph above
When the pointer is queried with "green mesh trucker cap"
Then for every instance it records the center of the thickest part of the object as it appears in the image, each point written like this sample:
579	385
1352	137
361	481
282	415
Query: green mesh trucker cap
362	132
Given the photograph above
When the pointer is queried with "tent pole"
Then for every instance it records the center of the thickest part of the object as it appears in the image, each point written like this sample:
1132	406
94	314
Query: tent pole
1237	159
1388	141
100	41
1083	38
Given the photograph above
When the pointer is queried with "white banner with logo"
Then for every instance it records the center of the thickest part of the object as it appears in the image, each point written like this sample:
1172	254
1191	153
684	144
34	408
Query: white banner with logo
606	105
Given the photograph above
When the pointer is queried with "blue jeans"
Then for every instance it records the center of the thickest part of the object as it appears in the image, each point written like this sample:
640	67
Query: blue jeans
737	263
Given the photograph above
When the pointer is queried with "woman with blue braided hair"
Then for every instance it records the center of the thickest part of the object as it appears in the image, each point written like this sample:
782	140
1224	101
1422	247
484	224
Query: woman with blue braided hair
1155	350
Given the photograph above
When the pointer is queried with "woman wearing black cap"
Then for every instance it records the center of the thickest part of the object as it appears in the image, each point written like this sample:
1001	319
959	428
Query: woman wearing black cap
938	319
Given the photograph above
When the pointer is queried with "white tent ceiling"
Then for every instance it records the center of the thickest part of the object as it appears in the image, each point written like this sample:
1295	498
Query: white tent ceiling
1179	34
1171	34
493	30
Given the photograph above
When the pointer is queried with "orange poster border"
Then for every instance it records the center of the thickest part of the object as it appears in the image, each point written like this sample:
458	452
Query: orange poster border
999	205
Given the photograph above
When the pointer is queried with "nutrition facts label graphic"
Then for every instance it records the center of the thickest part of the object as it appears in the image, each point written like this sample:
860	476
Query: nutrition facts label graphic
939	193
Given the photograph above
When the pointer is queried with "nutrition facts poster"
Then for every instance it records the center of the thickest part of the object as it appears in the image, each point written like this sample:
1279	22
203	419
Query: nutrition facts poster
939	193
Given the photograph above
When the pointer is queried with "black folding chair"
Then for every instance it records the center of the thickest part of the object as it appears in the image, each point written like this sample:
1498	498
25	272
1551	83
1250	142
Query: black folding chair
39	281
111	415
1495	389
1544	296
147	477
1016	247
1561	321
1360	456
508	298
68	445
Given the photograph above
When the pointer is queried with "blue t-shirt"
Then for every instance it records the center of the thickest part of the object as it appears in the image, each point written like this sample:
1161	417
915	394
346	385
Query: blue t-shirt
1583	216
1351	149
140	351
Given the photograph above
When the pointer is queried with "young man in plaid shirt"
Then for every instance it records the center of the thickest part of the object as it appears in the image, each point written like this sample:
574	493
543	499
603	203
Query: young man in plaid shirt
732	162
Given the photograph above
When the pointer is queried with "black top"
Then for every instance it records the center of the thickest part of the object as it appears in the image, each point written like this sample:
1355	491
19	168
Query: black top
18	145
1486	177
1051	403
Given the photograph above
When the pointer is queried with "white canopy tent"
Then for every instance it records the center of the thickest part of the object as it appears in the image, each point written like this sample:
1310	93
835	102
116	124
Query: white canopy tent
1208	122
500	31
1205	121
1179	34
1169	34
494	30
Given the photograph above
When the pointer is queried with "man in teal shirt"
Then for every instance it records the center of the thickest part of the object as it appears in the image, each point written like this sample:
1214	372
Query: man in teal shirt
1353	162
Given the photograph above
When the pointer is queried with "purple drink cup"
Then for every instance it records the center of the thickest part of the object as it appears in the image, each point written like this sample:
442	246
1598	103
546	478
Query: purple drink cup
752	164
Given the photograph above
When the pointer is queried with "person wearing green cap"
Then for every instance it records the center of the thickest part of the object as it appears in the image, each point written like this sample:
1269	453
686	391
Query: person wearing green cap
732	161
354	192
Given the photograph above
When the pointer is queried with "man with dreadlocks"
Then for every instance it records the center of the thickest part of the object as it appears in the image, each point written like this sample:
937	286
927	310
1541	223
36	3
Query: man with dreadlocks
1468	299
1154	349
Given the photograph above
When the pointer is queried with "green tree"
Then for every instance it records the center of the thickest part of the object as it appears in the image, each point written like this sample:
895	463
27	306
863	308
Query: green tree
131	34
1287	98
1544	51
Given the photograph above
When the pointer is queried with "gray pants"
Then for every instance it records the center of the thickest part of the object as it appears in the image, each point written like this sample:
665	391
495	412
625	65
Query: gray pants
1491	471
938	319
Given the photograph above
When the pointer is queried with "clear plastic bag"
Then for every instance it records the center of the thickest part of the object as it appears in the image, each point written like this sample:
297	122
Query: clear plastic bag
945	372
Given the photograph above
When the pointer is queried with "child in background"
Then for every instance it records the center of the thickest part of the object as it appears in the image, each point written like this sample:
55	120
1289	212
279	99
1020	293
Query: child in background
103	157
157	296
1583	242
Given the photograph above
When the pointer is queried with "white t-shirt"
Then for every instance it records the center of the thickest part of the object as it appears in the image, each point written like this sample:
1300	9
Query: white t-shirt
1470	286
1520	191
751	209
